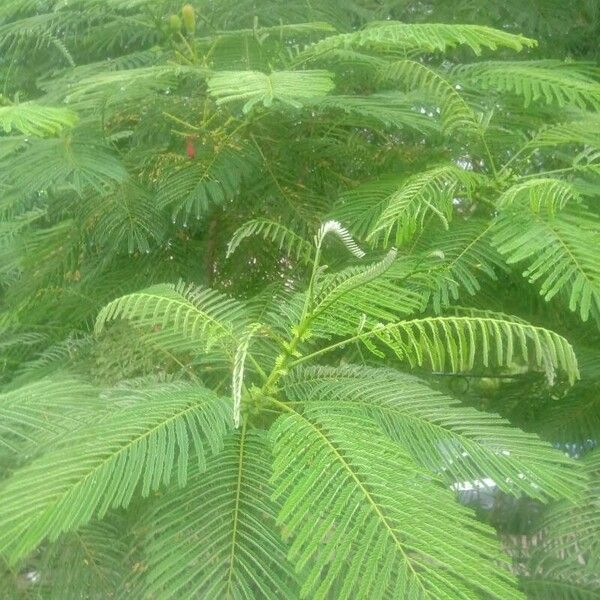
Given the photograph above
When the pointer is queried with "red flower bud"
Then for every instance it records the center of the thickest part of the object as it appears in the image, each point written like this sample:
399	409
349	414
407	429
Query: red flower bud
191	150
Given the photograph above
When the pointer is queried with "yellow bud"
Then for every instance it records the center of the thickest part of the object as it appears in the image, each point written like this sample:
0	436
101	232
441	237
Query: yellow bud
175	23
189	18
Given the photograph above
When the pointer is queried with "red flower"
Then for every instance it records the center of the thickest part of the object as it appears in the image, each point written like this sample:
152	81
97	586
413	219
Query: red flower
191	150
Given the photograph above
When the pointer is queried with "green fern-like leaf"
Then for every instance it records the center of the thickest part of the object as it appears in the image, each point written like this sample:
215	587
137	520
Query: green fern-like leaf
334	288
261	46
561	254
46	407
92	559
358	297
549	81
390	109
540	193
576	416
103	465
36	32
458	442
585	130
285	239
360	208
64	163
336	229
121	87
457	344
382	526
567	559
462	257
546	587
428	193
222	530
34	119
239	365
427	37
182	314
289	87
127	219
432	87
193	188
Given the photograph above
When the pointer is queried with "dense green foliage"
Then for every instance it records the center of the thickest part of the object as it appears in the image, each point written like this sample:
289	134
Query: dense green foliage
283	284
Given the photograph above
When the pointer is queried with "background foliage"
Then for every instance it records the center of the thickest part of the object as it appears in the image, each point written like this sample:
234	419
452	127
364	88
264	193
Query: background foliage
295	291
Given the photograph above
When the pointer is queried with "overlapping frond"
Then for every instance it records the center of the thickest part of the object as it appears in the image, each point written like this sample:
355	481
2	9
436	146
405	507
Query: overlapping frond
92	559
45	407
129	25
365	522
29	118
561	254
422	37
122	87
575	418
568	559
16	344
341	233
344	308
585	130
360	208
36	32
550	81
54	84
261	46
50	359
135	450
463	257
293	88
63	162
390	109
540	193
179	314
192	188
127	219
459	442
546	587
239	366
434	90
458	344
40	255
430	193
336	287
217	538
285	239
10	228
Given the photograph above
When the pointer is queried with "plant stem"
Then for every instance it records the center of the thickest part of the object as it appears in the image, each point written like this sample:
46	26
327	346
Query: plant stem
489	155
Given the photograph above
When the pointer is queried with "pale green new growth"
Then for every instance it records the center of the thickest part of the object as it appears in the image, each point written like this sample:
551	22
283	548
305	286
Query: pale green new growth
289	87
32	119
428	37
